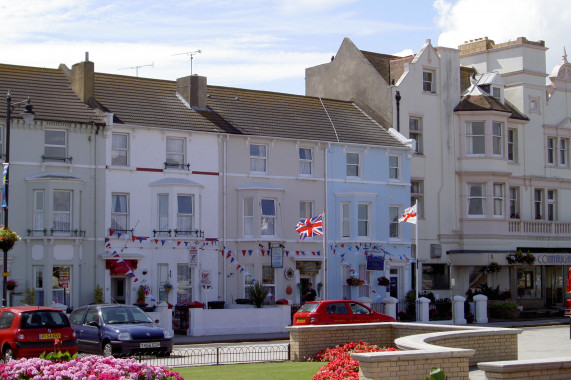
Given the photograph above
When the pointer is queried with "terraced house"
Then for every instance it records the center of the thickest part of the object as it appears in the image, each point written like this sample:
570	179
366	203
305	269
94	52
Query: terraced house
194	191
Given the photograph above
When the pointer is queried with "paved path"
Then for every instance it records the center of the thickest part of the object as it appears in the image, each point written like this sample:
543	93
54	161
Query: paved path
536	343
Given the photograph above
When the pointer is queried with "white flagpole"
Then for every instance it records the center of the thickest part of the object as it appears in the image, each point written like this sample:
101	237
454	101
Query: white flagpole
325	257
417	282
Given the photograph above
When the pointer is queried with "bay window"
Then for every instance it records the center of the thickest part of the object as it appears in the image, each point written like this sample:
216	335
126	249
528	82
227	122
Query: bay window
476	199
476	138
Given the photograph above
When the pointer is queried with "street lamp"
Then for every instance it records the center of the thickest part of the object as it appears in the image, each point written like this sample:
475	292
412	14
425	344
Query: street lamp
28	116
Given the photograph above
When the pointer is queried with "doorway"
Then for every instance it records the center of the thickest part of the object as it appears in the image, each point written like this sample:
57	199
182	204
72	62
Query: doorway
554	285
118	290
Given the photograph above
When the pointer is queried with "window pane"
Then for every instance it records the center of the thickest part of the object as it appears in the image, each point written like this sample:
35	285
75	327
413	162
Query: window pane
55	137
184	204
305	154
268	207
62	200
346	220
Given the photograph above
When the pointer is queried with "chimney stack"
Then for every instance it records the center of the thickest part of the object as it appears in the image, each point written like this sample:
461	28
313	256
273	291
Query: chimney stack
193	89
83	79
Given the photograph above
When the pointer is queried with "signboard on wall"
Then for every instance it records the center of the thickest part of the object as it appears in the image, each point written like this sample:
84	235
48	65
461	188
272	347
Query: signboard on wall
375	262
277	257
205	278
64	276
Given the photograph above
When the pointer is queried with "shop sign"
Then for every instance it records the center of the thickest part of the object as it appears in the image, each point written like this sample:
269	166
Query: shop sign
375	262
277	257
553	259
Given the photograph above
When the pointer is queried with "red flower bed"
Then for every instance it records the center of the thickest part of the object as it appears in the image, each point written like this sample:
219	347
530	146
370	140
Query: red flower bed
341	365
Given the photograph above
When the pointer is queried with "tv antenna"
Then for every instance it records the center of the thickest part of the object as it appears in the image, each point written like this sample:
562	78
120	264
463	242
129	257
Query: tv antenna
191	54
137	68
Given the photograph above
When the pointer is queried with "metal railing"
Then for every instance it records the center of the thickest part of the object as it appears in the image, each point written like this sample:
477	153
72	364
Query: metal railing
183	356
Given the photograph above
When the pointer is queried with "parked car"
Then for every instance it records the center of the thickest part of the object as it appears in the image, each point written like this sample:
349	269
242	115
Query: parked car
119	330
336	312
28	331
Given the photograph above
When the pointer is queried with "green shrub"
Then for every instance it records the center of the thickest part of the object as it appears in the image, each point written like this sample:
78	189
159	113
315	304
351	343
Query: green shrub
258	293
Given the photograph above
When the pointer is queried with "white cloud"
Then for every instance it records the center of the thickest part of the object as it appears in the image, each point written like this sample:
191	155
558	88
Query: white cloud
506	20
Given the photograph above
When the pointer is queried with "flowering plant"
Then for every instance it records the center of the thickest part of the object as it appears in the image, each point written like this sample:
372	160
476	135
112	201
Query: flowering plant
354	281
518	257
10	284
88	367
341	365
383	281
492	267
7	238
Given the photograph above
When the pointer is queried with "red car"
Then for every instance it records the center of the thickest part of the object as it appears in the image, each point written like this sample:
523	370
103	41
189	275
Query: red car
28	331
336	312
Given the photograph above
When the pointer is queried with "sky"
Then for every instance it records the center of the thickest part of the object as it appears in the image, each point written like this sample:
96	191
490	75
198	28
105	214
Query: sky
259	44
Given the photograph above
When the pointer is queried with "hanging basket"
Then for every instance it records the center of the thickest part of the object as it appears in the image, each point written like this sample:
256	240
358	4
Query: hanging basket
7	239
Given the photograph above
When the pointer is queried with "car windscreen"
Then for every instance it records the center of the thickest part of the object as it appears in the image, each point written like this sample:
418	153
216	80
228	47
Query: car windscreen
309	307
120	314
44	319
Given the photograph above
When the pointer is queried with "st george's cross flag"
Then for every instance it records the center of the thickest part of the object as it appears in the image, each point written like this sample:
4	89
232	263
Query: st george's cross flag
310	227
409	215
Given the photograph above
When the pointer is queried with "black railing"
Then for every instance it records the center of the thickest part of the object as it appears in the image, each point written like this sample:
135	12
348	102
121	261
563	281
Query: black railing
166	233
195	233
121	231
182	356
177	166
52	158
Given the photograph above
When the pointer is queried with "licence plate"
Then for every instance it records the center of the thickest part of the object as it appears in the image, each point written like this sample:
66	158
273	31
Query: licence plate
50	336
150	344
301	320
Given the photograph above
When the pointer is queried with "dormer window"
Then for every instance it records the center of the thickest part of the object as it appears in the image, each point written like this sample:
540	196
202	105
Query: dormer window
496	92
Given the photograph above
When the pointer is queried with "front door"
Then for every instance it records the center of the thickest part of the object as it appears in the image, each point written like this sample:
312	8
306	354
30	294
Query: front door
118	286
554	286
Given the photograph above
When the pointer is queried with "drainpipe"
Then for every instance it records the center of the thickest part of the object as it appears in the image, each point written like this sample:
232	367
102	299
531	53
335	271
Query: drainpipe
398	98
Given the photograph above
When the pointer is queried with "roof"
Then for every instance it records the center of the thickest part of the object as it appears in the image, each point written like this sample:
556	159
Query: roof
390	67
272	114
49	91
148	102
476	99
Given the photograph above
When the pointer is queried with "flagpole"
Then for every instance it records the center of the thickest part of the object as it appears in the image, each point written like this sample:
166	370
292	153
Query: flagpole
417	282
325	256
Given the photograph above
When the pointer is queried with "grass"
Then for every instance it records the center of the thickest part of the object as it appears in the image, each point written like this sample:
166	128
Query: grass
261	371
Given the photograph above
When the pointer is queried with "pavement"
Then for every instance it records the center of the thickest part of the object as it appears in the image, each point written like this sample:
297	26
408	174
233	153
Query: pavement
240	338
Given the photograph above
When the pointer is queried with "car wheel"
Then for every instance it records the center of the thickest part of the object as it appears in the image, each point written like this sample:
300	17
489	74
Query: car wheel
8	354
107	349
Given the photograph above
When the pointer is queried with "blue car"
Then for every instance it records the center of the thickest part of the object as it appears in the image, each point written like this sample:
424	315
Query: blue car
119	330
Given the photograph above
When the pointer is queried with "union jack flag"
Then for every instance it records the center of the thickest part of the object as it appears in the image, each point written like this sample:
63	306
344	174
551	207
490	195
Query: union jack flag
310	227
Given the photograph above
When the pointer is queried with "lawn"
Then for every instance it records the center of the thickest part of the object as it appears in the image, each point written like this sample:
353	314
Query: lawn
260	371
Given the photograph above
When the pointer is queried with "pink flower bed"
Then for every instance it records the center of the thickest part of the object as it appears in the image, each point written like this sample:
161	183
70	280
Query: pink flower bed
89	368
341	365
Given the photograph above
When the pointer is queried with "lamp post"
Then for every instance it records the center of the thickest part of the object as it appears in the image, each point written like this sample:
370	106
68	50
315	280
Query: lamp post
28	116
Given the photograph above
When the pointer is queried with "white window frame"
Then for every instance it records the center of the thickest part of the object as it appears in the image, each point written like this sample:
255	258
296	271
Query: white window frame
538	207
175	158
59	293
259	158
564	152
417	196
118	215
551	205
305	161
39	212
162	279
345	210
394	167
352	165
163	214
394	224
184	219
497	138
498	192
248	216
39	283
305	209
415	132
512	145
62	218
269	282
514	202
473	138
60	150
269	220
120	151
428	81
550	147
474	198
363	219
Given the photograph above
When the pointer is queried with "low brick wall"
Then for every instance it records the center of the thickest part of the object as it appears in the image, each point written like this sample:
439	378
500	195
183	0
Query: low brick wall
449	347
537	369
413	365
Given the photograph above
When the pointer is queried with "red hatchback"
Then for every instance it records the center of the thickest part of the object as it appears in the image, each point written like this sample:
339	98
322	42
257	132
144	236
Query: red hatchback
336	312
27	331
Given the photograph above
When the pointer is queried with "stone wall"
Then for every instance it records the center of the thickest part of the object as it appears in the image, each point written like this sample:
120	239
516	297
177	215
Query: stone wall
537	369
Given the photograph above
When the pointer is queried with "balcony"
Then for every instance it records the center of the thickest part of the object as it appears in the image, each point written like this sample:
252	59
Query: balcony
511	228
